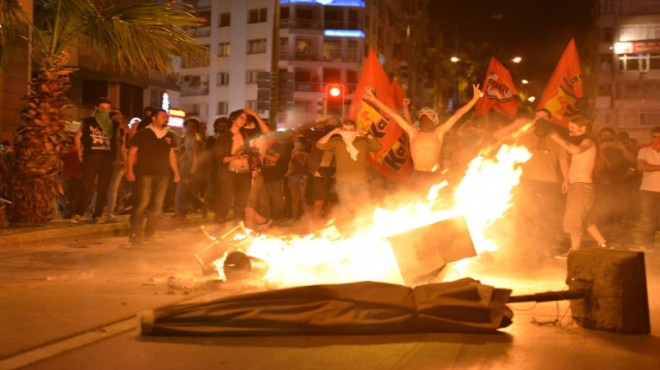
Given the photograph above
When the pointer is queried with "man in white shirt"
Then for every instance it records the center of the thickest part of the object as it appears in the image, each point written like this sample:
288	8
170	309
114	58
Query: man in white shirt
648	162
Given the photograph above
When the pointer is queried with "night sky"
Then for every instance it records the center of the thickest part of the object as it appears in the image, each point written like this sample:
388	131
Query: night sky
537	30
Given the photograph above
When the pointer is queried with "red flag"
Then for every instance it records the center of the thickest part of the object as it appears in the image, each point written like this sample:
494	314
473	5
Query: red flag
564	88
393	160
500	94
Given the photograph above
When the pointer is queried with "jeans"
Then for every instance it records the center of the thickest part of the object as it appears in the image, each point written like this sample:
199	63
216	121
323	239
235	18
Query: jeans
649	204
271	199
234	186
182	196
96	174
113	190
150	195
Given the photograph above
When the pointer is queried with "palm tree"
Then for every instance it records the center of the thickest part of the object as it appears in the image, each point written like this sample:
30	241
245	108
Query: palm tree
136	39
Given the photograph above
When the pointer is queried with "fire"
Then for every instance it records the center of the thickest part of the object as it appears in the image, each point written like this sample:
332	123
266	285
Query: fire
482	197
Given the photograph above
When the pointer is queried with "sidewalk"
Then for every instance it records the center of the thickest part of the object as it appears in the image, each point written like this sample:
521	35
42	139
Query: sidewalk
63	229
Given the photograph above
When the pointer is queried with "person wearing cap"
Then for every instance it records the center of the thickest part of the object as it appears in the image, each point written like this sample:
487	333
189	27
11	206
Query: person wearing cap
580	198
425	141
350	147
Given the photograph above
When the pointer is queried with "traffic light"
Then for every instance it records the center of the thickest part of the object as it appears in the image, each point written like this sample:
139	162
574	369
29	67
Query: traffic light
334	99
285	90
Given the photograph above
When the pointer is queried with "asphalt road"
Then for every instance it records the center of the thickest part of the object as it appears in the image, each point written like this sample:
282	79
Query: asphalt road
72	305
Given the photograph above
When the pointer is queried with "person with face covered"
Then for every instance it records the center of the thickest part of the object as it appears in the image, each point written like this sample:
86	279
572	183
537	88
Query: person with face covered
425	141
544	178
580	197
350	147
97	147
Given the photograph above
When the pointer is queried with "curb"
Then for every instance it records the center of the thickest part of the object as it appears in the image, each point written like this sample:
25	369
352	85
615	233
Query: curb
63	229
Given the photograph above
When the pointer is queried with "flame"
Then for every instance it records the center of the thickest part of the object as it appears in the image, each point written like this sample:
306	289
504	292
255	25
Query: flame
330	256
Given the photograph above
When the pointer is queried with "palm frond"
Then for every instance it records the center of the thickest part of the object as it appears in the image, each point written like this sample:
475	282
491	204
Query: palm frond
142	38
13	26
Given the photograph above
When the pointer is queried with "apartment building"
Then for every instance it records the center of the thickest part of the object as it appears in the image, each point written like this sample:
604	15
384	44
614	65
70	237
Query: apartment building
320	42
628	90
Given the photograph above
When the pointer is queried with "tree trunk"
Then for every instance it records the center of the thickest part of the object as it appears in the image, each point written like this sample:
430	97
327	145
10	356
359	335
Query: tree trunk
35	184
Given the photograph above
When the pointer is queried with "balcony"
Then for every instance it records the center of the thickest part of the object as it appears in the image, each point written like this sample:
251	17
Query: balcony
318	24
639	7
199	32
306	24
319	54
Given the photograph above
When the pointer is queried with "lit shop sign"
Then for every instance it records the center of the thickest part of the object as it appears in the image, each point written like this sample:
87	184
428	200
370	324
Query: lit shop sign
355	3
637	47
176	117
344	33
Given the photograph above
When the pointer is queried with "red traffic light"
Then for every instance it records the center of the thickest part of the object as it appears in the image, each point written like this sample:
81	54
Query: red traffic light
334	99
334	91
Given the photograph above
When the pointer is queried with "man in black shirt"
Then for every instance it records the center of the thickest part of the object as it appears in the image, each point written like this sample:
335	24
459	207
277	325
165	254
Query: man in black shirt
276	164
152	149
97	147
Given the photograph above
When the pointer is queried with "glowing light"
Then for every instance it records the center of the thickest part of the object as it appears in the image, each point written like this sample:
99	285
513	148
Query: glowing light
334	91
531	99
166	102
344	33
455	59
525	82
623	48
352	3
517	59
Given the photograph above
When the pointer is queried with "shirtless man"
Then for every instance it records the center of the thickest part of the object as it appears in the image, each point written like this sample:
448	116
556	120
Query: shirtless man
425	141
580	198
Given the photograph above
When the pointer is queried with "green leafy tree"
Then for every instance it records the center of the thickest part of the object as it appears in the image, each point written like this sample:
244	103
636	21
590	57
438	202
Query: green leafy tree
135	39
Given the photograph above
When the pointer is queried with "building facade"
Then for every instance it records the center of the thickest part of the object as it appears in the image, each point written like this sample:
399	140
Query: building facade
628	89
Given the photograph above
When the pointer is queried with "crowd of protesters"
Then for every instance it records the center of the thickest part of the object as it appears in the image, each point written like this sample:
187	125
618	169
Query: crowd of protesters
603	183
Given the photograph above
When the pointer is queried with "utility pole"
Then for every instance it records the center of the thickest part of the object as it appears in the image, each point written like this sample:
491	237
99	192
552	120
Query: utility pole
275	67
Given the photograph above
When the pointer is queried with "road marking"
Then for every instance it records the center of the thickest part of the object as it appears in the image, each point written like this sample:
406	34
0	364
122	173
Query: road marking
65	345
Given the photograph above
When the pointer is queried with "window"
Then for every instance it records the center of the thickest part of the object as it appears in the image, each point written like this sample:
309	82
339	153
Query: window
608	7
225	20
223	108
332	49
333	17
258	15
223	78
224	49
331	75
637	62
251	76
252	104
606	63
256	46
187	62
